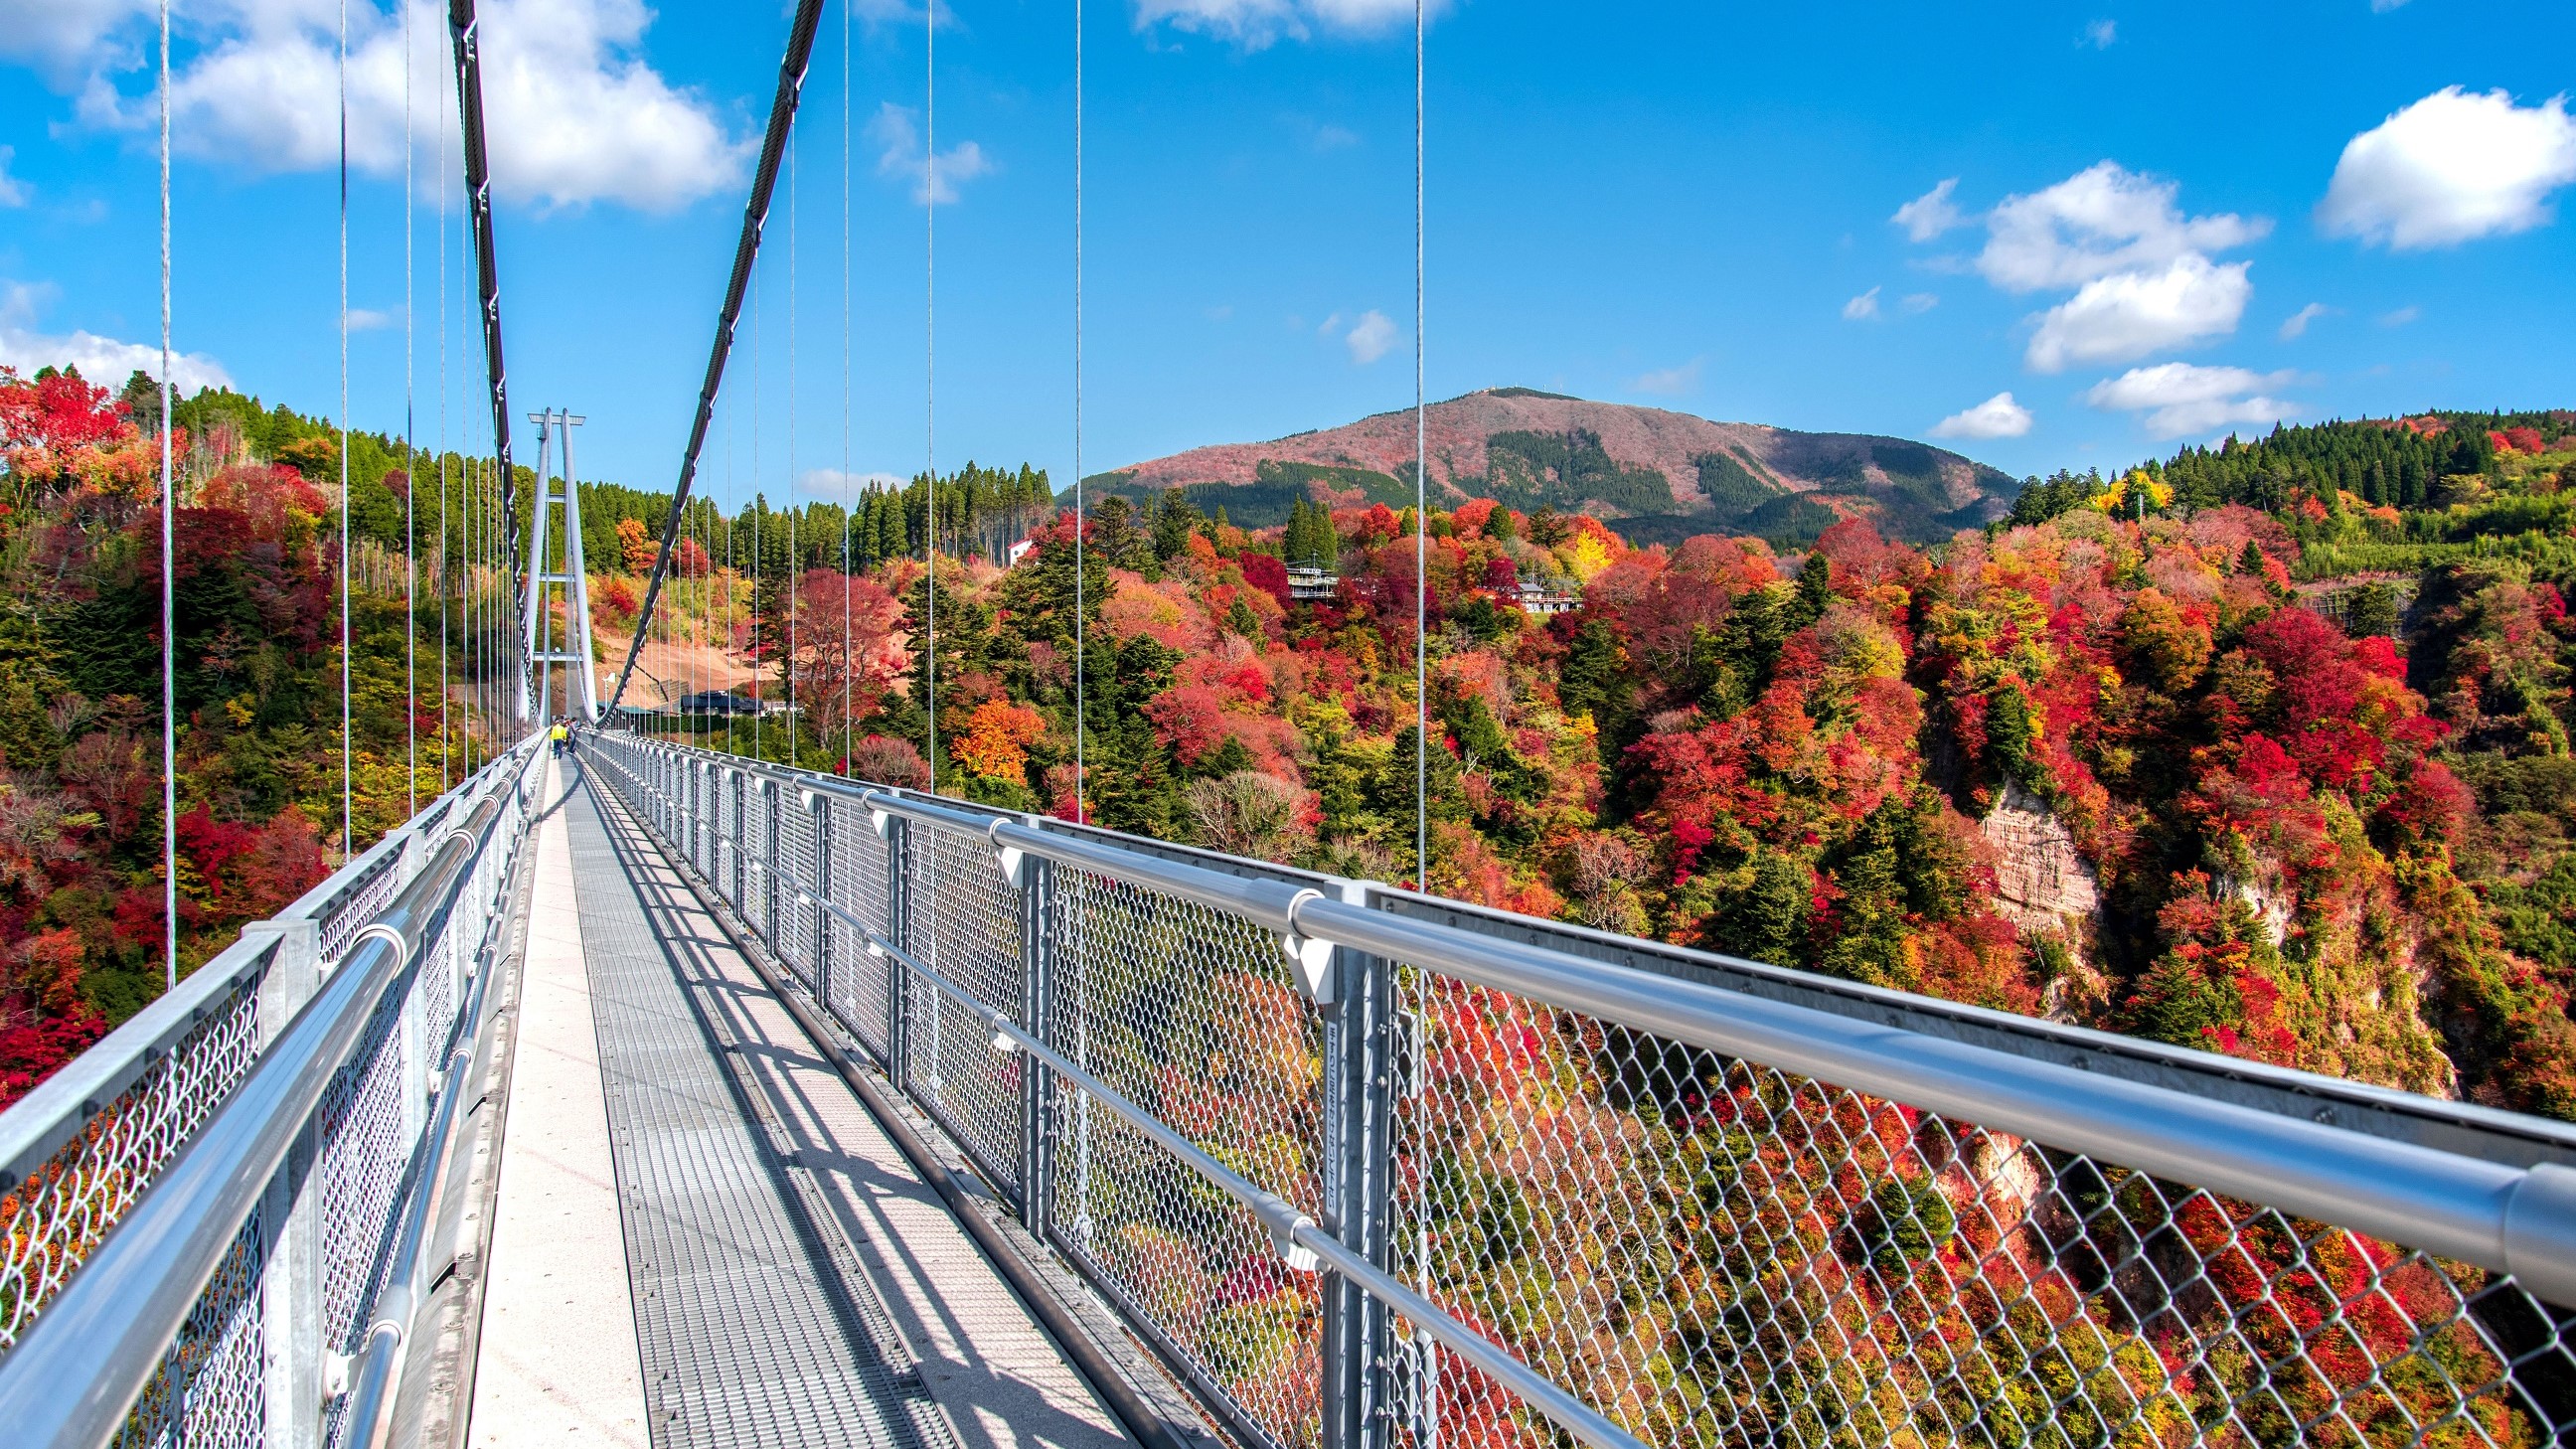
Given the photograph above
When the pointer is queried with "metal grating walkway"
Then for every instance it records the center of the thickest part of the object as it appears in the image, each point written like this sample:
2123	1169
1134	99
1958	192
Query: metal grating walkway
756	1322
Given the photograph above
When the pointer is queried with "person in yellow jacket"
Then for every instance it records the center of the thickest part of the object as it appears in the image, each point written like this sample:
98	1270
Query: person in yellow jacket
560	736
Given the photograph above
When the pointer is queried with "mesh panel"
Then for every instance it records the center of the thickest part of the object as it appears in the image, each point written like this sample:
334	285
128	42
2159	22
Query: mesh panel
761	839
797	941
340	920
436	988
727	846
209	1390
1713	1253
1190	1014
365	1161
50	1222
862	884
967	928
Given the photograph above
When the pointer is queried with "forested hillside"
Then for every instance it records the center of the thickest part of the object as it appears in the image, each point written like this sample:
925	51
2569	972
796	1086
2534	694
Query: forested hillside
2261	749
258	684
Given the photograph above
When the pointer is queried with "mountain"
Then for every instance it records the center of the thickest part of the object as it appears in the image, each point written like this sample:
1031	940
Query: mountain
1653	474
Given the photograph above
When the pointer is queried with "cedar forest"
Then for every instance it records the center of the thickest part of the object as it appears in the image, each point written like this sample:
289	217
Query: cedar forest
2261	749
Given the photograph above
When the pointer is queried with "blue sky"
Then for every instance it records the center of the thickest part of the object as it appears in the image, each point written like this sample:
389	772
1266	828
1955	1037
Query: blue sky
2159	223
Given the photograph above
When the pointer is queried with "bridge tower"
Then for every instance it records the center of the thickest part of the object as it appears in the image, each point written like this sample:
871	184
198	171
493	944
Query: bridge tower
568	576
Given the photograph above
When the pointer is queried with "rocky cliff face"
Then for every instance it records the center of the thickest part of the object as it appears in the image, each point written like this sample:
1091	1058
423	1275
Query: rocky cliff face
2042	882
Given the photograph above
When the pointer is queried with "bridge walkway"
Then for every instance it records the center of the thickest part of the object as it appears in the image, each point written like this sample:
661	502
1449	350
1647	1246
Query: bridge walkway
701	1237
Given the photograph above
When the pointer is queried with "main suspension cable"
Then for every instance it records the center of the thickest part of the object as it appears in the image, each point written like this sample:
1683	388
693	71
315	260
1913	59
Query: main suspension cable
466	31
755	213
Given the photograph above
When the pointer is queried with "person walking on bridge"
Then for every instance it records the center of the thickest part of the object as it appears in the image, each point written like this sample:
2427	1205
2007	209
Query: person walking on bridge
561	736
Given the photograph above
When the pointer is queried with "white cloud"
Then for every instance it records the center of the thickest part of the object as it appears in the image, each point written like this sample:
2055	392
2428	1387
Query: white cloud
2131	314
368	319
2179	398
1254	24
2382	7
1861	308
834	484
13	192
2101	34
2400	316
1930	214
103	360
1918	303
2140	269
575	116
1371	337
65	38
898	139
2450	168
1997	417
2297	325
1669	381
2103	219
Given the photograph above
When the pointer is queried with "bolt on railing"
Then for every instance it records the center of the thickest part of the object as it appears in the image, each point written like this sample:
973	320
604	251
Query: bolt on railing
1370	1169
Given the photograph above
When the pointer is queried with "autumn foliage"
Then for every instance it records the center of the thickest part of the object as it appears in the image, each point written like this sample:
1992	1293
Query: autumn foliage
256	591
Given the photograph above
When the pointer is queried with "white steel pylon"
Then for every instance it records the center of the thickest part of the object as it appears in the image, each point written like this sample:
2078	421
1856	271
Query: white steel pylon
569	576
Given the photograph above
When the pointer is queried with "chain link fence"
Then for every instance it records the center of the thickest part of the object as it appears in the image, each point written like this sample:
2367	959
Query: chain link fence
1674	1245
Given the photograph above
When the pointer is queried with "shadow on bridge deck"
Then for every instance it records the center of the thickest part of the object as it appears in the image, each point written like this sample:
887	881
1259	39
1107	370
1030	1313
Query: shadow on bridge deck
701	1236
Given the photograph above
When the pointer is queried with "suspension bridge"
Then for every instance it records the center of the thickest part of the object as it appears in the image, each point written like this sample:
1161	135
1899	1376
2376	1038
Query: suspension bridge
645	1094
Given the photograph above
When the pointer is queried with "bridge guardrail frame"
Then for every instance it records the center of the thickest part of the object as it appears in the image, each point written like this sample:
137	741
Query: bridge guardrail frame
304	1261
1799	1260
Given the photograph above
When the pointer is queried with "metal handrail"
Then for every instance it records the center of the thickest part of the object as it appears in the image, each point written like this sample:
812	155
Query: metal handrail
71	1380
38	1124
2514	1220
2508	1219
377	1375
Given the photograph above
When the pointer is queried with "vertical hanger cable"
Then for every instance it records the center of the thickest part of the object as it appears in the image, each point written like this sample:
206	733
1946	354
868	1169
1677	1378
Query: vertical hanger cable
1421	512
411	531
348	831
930	372
1081	629
169	571
849	656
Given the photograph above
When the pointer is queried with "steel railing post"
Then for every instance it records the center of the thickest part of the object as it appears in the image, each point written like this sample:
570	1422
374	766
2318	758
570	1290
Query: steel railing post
1360	1064
290	1283
1039	936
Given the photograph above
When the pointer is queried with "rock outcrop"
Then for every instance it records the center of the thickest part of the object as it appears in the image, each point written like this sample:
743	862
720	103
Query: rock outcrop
2042	882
